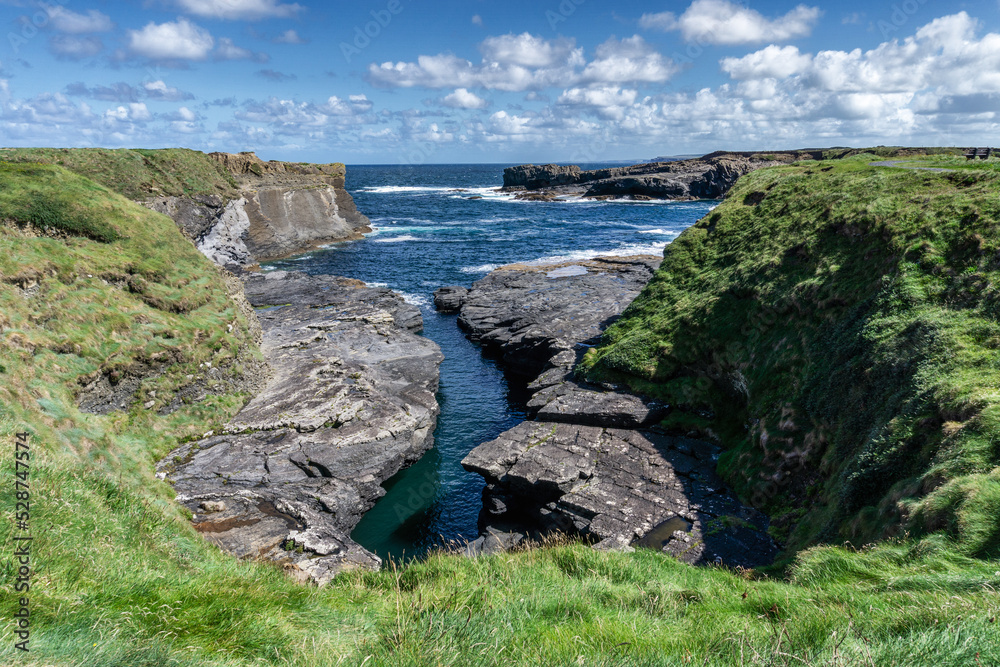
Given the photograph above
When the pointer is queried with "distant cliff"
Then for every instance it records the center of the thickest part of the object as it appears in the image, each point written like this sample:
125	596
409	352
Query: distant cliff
707	177
236	208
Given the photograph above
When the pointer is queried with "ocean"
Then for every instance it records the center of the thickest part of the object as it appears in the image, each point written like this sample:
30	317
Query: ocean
440	225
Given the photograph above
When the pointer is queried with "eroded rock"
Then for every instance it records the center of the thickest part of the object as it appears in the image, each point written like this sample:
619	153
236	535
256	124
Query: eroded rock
529	314
593	462
617	486
449	299
350	402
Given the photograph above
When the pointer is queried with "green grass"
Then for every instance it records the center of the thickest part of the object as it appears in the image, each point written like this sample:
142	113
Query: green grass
121	577
135	172
843	332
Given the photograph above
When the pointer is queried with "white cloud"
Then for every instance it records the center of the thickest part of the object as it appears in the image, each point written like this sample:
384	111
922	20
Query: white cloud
227	50
477	20
608	101
72	23
289	37
290	117
174	40
525	62
160	91
628	60
249	10
527	50
134	112
513	126
727	22
943	55
771	62
463	99
73	47
665	21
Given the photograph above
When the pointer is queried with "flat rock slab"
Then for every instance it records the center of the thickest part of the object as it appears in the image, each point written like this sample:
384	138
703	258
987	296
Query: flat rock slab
529	314
350	402
619	485
349	299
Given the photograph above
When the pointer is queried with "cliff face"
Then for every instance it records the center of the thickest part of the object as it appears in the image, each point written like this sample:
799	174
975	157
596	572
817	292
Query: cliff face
280	209
834	326
236	208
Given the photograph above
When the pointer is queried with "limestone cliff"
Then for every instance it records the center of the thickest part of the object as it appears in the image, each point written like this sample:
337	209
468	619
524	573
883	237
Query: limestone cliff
279	209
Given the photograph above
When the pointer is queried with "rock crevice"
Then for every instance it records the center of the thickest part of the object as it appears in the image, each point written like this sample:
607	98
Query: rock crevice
592	460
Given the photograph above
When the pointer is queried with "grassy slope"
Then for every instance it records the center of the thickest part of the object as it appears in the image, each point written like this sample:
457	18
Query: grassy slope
121	577
844	333
135	172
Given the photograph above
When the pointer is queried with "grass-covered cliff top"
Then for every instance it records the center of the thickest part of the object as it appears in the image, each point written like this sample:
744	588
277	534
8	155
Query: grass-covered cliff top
835	325
139	173
91	283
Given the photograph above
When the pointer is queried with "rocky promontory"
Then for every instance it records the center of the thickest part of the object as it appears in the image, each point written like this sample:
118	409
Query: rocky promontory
593	461
277	209
351	400
708	177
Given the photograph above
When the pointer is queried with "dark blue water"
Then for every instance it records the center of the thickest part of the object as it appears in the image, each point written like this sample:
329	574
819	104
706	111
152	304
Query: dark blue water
427	235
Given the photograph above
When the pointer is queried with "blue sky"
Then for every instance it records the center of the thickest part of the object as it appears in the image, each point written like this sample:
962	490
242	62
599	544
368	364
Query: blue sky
419	81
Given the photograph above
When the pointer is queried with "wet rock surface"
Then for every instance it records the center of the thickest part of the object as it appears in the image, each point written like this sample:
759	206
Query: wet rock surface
593	461
350	402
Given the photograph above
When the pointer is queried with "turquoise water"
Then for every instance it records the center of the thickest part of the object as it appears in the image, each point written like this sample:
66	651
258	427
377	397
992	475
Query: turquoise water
427	235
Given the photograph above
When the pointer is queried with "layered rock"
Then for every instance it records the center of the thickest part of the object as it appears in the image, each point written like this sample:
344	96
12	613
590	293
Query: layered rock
282	208
449	299
529	314
708	177
621	487
593	461
350	402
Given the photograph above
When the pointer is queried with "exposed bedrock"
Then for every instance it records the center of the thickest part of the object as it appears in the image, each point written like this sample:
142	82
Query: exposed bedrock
708	177
529	314
593	461
350	402
282	208
622	487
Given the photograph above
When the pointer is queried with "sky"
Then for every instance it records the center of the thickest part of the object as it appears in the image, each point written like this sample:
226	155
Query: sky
437	81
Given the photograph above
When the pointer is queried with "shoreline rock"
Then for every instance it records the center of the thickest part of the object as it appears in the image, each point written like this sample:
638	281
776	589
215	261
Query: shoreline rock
529	314
351	402
449	299
591	460
707	177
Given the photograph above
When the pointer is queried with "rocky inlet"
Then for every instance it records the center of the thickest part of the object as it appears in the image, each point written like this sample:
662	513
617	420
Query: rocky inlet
351	401
593	461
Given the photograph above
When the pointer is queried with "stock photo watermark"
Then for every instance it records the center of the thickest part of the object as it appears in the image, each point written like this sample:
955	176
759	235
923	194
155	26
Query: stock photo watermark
22	540
363	35
30	25
562	13
900	16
